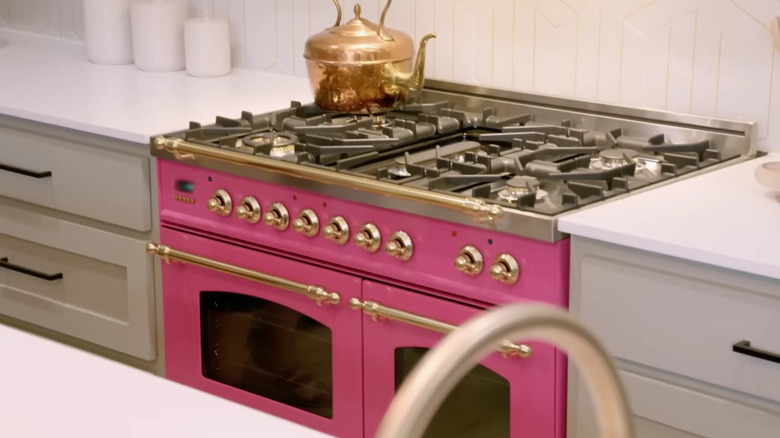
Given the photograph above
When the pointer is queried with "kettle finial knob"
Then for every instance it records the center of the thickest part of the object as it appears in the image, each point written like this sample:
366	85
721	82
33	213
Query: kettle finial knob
358	9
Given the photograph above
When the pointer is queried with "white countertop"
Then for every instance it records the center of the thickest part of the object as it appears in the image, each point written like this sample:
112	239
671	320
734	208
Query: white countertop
723	218
50	80
48	389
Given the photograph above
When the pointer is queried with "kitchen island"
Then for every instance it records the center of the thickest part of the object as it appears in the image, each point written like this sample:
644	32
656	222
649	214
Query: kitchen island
48	389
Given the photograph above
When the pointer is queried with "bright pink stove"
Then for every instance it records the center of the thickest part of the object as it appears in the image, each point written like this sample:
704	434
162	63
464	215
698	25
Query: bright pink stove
316	257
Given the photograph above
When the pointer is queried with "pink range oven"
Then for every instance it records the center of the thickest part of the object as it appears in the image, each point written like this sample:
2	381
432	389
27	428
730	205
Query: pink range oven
312	258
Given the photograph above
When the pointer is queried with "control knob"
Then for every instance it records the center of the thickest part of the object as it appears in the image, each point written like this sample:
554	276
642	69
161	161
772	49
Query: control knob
368	237
249	210
505	269
277	216
307	223
400	246
469	261
336	230
220	203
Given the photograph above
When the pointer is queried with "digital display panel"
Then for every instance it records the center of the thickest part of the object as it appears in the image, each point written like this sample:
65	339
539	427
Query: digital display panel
185	186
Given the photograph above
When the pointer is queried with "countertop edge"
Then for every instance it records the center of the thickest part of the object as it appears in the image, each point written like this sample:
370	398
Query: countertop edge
740	264
133	137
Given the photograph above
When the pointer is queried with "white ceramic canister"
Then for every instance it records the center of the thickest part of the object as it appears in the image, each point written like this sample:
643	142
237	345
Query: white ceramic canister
207	46
158	34
107	32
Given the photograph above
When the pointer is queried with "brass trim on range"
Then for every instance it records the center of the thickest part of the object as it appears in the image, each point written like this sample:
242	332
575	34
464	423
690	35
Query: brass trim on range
316	293
481	211
379	312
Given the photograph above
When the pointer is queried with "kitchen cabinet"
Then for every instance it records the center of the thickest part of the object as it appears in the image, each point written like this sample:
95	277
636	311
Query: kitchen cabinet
672	325
75	216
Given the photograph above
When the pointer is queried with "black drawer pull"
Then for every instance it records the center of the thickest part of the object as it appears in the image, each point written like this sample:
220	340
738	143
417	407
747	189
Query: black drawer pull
48	277
25	172
744	347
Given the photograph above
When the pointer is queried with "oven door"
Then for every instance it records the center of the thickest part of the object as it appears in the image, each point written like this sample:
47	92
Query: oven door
235	327
510	396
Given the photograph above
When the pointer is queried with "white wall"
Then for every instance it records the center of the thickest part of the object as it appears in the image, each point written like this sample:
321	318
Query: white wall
708	57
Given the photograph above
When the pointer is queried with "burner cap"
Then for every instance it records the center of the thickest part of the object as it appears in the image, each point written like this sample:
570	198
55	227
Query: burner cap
399	172
617	156
519	186
272	143
523	184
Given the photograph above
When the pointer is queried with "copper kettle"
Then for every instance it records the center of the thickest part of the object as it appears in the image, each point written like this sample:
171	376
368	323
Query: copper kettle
359	67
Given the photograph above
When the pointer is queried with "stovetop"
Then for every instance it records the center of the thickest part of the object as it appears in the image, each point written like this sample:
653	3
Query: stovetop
532	154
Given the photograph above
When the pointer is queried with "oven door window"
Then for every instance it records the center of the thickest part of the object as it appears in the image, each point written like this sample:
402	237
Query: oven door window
477	407
267	349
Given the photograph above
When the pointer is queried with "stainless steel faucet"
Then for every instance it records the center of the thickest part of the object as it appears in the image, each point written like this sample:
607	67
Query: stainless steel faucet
431	381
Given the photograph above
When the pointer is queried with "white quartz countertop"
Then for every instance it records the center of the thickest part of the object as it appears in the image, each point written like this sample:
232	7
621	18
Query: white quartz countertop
48	389
723	218
51	81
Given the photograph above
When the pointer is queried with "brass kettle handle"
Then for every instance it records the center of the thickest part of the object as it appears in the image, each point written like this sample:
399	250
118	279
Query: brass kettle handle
381	312
316	293
381	32
338	13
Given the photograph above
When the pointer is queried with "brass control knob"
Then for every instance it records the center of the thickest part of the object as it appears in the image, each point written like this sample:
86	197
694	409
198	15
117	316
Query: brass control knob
220	203
400	246
469	261
368	237
505	269
337	230
307	223
249	210
277	216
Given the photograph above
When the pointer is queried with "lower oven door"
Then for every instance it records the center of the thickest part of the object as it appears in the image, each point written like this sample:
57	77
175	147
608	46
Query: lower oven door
502	397
229	332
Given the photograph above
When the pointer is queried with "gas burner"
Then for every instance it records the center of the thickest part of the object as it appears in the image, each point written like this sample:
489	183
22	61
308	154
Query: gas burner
379	121
399	172
272	143
520	186
277	140
646	166
611	158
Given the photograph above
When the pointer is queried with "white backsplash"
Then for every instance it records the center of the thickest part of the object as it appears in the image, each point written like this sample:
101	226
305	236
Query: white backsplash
708	57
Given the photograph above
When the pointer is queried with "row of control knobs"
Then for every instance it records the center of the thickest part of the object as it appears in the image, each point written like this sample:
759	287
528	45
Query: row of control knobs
504	268
468	261
307	223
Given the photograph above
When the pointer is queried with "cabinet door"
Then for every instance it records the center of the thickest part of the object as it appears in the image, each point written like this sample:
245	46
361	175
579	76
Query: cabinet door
76	280
501	397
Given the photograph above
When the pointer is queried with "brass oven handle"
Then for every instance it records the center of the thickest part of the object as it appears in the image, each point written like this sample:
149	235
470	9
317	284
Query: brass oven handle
481	211
379	312
317	293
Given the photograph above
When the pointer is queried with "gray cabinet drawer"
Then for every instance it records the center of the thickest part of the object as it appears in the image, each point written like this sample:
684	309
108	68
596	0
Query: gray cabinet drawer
663	410
104	295
680	317
88	181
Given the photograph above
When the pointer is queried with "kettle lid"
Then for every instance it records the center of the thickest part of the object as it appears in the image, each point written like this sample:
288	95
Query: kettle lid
359	41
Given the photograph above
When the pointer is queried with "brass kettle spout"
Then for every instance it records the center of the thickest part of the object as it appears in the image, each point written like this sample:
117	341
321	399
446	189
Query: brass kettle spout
415	79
